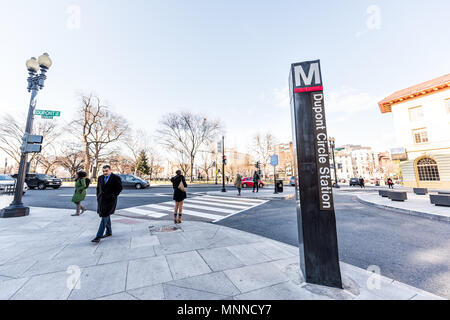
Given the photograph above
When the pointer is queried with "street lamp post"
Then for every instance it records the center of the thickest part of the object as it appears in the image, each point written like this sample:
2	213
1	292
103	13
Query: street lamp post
332	145
35	83
6	165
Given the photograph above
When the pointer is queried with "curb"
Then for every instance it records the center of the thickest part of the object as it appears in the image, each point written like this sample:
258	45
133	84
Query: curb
405	211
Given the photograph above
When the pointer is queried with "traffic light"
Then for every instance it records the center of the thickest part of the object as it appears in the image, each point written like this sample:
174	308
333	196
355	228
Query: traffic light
224	159
258	164
31	143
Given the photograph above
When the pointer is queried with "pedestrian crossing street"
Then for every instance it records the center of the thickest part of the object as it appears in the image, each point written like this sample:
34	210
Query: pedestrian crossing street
209	208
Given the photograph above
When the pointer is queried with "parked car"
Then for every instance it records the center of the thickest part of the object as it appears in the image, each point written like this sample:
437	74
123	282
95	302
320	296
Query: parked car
131	181
7	181
248	183
292	181
354	182
42	181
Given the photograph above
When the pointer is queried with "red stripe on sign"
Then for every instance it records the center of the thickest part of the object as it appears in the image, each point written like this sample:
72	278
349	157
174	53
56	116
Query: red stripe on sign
309	89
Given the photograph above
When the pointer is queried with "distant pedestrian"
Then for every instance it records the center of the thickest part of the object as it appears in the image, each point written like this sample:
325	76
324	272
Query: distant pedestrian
109	186
361	183
390	183
179	194
256	179
239	183
81	184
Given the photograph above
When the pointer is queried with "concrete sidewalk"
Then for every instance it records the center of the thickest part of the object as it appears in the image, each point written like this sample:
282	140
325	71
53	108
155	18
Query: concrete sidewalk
266	193
48	255
418	205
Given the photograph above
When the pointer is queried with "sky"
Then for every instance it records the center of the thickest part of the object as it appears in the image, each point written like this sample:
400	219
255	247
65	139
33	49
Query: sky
227	60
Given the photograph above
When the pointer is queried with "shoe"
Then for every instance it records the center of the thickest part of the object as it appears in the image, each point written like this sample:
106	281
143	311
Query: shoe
179	219
83	210
75	215
107	235
96	240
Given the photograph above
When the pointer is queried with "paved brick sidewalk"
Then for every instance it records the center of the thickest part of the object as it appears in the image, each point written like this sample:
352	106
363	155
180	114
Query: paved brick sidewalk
48	255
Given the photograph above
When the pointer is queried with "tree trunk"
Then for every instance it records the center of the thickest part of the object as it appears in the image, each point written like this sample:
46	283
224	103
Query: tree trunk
87	159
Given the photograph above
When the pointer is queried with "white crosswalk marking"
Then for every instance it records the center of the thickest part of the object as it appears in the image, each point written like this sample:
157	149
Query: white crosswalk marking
210	208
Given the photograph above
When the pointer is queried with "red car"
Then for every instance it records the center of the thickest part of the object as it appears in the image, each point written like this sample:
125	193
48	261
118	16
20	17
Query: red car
248	183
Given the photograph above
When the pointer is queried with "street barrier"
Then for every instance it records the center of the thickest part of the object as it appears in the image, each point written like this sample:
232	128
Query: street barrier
440	200
397	195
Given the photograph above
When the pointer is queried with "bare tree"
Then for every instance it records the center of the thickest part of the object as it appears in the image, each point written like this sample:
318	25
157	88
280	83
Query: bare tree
185	133
72	158
11	133
263	145
137	142
98	129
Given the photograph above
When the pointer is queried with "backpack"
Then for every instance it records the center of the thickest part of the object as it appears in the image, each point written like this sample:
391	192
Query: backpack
88	182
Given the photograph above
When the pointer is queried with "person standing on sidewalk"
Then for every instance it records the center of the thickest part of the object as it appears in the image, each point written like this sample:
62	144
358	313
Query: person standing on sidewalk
80	192
256	179
109	187
361	182
390	183
179	194
239	183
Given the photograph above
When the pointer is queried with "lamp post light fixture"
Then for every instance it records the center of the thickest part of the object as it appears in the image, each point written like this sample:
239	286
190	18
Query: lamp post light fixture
35	83
332	146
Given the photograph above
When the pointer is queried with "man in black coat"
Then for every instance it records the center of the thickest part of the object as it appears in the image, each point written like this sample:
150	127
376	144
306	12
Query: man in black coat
109	187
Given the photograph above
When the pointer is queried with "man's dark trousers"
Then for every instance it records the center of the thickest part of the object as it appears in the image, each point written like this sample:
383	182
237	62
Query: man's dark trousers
255	185
104	224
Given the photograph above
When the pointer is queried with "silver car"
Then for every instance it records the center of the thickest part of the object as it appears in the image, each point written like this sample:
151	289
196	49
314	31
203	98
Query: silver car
7	184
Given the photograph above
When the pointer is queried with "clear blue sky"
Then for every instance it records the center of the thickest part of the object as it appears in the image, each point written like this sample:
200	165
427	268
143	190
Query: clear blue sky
226	59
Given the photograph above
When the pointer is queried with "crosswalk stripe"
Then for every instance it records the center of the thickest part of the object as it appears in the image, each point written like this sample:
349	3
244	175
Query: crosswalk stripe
236	203
145	212
241	200
188	212
196	206
214	204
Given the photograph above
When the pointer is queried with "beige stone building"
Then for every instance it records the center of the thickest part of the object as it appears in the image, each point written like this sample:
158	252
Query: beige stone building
421	116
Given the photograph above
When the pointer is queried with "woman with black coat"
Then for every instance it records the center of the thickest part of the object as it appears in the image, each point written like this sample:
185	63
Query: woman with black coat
179	194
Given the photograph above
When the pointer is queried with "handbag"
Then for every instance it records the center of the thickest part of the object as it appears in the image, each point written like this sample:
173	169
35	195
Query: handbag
181	186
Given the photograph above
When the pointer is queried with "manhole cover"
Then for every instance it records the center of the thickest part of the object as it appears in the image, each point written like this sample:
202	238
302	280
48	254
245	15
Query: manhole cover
162	229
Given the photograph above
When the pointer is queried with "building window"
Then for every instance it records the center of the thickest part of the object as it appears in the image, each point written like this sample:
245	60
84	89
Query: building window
420	136
428	170
415	114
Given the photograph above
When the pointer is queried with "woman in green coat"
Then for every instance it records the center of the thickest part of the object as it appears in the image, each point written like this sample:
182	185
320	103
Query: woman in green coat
80	192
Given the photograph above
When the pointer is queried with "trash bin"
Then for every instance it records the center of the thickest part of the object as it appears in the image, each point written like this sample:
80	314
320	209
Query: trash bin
279	185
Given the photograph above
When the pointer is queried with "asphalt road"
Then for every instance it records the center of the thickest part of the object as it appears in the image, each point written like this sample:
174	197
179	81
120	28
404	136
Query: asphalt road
410	249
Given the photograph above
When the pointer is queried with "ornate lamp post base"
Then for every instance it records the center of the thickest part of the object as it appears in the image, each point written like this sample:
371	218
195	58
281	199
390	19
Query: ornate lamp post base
14	211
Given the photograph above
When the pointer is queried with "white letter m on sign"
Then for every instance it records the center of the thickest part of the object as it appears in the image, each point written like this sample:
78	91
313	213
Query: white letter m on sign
301	80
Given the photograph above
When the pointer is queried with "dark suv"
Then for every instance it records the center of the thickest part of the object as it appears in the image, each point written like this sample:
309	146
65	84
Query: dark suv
42	181
354	182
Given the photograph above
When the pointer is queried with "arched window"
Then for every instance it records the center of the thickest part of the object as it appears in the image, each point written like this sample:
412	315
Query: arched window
428	170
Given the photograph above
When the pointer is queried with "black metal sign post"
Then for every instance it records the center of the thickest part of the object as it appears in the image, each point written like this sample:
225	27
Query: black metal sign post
319	258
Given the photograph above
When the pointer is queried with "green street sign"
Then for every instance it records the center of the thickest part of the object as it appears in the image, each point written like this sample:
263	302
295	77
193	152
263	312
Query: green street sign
47	114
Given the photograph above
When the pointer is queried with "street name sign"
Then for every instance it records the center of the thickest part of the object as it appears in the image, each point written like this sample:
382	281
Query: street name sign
47	114
319	258
274	160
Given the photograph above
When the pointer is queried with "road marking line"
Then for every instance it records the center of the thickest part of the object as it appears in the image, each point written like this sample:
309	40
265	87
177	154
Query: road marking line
222	218
226	205
195	206
145	212
240	200
188	212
